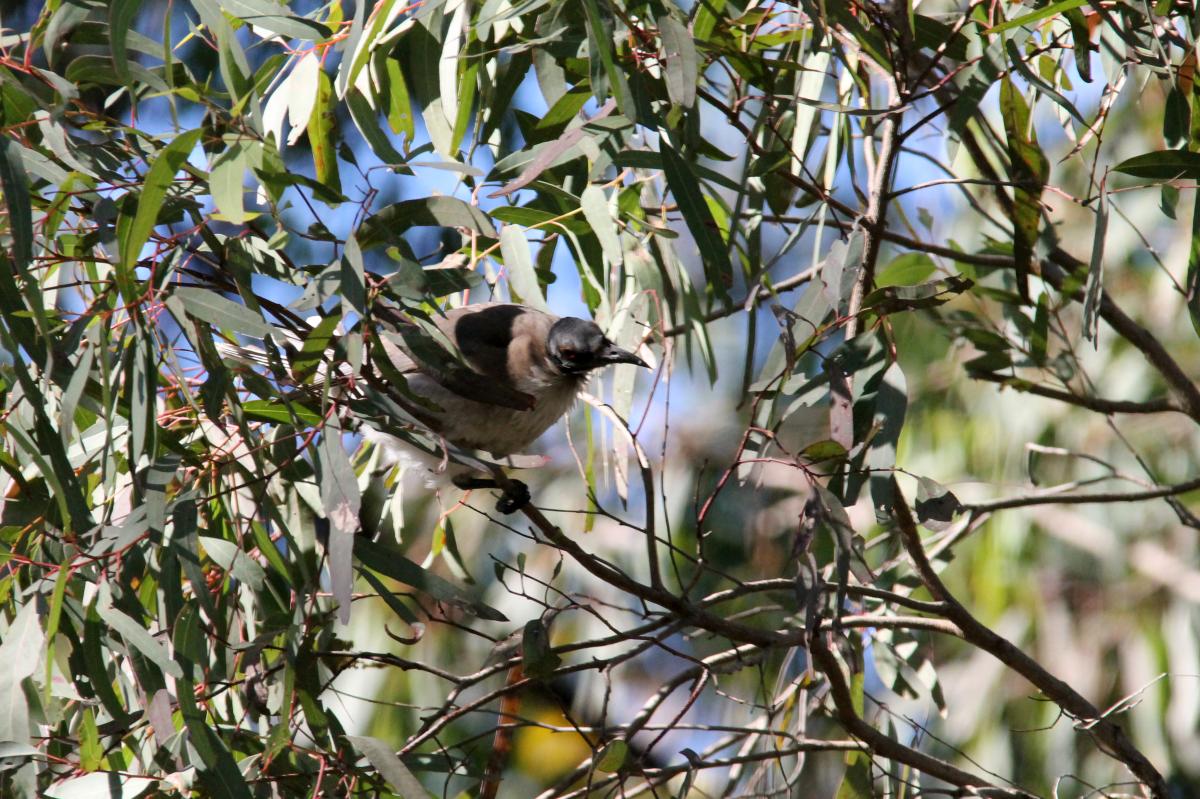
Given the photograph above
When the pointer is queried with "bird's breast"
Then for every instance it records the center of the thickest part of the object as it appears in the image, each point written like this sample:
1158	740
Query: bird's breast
494	428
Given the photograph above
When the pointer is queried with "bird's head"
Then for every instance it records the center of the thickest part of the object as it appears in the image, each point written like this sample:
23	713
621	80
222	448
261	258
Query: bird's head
577	346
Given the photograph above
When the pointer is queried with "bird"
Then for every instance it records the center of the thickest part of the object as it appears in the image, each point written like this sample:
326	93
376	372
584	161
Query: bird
533	364
519	349
520	369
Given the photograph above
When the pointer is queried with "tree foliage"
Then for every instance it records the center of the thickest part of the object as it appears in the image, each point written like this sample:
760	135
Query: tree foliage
905	507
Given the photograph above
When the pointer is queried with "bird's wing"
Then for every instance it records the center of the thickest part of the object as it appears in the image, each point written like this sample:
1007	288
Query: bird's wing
499	340
486	336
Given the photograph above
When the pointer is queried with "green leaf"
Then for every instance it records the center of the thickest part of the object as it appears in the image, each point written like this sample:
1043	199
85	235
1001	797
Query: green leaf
121	14
398	104
389	598
906	270
353	284
824	450
681	61
464	97
1081	41
288	25
134	634
13	754
322	134
1039	337
1029	170
387	560
989	362
411	281
90	751
223	313
605	72
365	120
341	501
230	557
1192	281
889	407
228	175
536	218
522	279
16	198
270	411
613	757
389	766
1162	165
894	299
856	783
1177	118
22	646
159	178
1037	16
1093	294
388	223
141	386
102	785
596	211
699	219
1017	61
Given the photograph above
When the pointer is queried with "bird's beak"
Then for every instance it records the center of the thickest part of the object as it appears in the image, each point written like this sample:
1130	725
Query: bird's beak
614	354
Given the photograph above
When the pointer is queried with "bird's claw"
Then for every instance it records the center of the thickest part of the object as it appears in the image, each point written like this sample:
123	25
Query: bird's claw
515	497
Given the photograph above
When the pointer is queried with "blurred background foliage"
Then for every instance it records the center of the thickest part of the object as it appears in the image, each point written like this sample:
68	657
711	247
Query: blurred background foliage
937	255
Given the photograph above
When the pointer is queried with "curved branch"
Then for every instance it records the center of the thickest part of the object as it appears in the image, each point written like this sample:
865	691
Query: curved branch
1084	499
884	746
1113	739
1098	404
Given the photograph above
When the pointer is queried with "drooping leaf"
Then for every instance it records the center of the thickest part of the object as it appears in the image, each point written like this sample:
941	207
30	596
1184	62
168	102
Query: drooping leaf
1093	295
1045	12
342	501
606	73
20	650
389	222
518	264
210	306
613	757
679	55
322	134
1162	165
230	557
158	179
698	218
134	633
120	19
386	560
391	767
905	270
1029	170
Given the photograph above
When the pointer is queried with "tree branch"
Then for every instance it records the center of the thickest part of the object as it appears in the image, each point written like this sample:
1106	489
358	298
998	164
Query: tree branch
1112	738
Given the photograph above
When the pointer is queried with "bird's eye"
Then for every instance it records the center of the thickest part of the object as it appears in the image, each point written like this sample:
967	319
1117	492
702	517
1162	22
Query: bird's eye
567	353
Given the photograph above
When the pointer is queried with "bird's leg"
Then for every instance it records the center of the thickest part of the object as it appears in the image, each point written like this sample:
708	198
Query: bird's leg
515	495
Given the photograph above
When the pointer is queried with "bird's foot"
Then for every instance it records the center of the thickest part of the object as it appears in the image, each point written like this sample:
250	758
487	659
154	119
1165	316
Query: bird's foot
515	497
